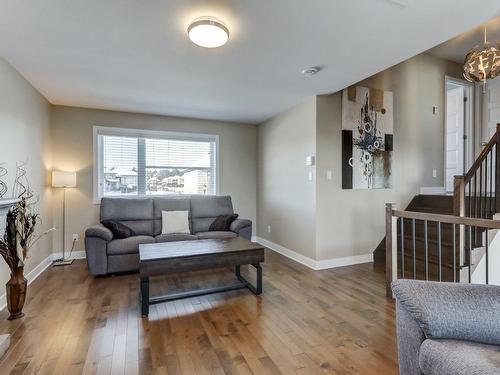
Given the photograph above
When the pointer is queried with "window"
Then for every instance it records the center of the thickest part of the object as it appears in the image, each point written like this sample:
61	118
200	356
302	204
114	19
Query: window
138	163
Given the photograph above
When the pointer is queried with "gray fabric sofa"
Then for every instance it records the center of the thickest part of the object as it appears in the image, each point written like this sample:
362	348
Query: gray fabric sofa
447	328
107	255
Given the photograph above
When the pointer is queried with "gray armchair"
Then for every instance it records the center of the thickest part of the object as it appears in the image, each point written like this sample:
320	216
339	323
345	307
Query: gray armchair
447	328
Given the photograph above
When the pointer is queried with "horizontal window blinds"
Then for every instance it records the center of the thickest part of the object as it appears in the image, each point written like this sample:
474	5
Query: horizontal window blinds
136	164
166	153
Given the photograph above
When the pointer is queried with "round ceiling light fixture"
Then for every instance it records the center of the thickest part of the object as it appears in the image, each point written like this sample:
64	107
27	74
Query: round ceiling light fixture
208	32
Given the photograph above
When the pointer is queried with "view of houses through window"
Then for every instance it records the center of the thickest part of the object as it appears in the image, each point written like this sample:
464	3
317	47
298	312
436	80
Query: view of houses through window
156	164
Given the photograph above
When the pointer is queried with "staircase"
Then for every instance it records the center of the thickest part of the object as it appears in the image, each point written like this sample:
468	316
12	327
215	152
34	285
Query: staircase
433	204
449	238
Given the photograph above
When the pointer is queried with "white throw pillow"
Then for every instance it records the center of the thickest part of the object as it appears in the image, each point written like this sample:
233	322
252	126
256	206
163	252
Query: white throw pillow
175	222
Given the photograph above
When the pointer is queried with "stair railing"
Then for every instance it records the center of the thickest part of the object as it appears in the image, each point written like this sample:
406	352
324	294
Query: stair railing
436	265
475	193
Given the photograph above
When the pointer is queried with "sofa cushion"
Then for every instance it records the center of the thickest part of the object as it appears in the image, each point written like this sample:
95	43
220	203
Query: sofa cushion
215	235
175	237
440	357
128	245
170	203
135	213
205	208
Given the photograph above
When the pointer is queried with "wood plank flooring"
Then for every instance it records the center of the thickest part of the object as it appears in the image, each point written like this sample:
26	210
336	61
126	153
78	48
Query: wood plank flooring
334	321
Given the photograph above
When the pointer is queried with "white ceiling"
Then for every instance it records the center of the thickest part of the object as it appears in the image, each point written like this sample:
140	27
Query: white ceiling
456	48
134	55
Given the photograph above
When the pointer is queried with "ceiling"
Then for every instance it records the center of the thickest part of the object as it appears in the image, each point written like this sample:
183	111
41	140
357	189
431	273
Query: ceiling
456	48
135	56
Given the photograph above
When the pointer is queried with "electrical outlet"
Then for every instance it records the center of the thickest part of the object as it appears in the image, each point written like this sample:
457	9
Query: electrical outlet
268	229
76	237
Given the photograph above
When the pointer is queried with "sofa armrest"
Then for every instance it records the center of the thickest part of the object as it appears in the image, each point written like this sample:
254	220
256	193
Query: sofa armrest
99	231
410	337
243	227
452	310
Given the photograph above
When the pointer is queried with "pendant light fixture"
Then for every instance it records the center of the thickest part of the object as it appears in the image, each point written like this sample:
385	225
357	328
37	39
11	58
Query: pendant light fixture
482	62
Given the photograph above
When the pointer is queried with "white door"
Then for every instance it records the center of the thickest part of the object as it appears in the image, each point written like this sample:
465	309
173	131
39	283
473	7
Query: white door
454	134
491	109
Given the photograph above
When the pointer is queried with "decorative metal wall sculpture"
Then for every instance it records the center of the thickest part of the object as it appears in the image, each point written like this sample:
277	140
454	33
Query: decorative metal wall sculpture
367	138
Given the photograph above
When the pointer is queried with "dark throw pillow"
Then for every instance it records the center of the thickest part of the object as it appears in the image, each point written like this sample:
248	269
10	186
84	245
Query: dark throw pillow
119	230
222	222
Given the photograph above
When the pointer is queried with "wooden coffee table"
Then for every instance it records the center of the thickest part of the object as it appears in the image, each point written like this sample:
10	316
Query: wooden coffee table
182	256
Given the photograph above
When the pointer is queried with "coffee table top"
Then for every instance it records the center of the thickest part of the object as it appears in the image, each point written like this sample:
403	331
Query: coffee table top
181	249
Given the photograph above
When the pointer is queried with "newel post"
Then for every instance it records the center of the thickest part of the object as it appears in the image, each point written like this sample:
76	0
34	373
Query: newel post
459	196
391	245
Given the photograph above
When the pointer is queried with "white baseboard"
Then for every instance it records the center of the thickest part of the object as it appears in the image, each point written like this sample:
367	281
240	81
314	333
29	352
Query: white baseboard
306	261
74	255
312	263
42	266
433	190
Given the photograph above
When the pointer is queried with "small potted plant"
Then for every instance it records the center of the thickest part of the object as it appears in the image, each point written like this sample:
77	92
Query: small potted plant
18	238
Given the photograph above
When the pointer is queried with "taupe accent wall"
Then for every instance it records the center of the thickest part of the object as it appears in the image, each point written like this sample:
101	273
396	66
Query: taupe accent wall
285	197
25	136
328	222
72	139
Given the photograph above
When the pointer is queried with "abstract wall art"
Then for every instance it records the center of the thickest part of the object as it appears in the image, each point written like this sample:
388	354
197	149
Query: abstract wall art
367	138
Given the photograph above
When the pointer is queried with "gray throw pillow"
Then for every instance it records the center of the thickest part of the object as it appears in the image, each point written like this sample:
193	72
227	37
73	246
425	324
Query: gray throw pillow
222	223
119	230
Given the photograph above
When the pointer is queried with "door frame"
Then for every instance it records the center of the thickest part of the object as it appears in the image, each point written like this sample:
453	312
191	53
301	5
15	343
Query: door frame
469	116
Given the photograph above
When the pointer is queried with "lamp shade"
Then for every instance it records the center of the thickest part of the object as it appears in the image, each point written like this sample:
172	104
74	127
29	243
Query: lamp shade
63	179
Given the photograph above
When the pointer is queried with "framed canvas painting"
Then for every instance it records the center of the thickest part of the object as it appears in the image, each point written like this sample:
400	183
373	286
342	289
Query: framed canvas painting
367	138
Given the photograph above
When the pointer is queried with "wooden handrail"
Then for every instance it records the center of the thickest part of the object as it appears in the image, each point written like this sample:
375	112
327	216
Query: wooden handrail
484	153
448	219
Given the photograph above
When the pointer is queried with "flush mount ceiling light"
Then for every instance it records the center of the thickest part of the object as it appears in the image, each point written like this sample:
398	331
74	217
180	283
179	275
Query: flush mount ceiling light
208	32
309	72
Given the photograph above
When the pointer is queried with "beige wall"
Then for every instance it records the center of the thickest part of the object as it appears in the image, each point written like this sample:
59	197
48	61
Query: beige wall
72	139
285	196
25	136
351	222
319	219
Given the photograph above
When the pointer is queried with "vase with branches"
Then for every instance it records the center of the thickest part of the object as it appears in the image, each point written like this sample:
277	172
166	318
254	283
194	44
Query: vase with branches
17	240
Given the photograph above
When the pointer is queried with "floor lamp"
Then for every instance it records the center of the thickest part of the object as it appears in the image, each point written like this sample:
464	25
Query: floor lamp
63	180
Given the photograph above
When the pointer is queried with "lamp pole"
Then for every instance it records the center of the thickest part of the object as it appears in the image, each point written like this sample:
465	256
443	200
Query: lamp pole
62	261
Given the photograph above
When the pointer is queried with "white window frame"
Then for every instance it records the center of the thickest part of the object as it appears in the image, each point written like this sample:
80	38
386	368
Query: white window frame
130	132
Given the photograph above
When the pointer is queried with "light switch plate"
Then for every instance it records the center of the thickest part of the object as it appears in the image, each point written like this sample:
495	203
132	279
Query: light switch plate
328	175
310	160
434	173
310	176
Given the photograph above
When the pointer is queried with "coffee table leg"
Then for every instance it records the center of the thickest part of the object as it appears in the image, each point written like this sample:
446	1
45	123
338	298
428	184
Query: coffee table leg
145	296
255	289
258	268
237	271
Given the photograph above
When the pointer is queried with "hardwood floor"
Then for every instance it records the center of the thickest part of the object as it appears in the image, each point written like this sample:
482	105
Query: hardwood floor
335	321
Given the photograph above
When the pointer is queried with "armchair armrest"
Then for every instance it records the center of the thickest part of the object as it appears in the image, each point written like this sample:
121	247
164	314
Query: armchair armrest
243	227
99	231
452	310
